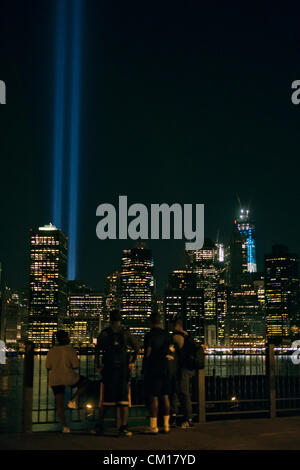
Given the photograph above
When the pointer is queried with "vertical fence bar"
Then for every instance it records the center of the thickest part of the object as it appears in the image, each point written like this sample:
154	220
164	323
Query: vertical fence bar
118	418
39	385
201	396
28	387
270	370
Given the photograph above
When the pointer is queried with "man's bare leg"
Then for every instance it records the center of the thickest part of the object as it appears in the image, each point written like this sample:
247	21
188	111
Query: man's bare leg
60	409
166	407
123	413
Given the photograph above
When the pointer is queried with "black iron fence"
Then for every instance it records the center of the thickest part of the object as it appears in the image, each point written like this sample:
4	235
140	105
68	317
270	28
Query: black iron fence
235	382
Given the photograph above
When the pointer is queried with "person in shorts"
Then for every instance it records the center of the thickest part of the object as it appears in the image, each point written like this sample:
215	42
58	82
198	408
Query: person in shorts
62	362
119	350
158	350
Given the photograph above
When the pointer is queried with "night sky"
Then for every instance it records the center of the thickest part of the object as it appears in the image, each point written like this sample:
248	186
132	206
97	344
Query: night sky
180	102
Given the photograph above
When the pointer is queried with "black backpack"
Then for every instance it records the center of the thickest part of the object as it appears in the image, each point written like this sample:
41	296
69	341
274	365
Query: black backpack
193	355
115	348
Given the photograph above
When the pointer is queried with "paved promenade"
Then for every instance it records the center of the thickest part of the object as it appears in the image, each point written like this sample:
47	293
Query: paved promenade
251	434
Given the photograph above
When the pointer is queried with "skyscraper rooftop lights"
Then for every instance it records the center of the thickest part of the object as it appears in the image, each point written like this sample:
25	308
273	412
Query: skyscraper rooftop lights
49	227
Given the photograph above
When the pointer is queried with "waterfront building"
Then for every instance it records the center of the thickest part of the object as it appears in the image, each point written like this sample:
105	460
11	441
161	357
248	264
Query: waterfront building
48	283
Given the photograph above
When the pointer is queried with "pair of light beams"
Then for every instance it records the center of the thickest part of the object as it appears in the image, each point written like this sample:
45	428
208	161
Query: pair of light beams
67	111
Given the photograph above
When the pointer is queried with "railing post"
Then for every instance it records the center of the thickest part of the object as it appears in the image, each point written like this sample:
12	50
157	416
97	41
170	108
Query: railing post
28	387
201	396
270	371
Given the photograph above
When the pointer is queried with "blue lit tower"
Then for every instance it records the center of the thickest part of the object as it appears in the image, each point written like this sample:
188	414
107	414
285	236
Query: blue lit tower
242	249
247	231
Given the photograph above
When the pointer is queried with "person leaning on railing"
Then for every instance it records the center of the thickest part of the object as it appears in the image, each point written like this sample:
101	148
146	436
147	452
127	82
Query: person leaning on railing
61	362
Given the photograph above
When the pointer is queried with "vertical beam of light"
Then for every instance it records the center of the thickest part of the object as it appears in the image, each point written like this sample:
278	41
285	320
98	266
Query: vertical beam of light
74	138
59	111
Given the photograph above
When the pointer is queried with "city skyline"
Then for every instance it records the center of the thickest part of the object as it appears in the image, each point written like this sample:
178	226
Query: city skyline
217	292
177	264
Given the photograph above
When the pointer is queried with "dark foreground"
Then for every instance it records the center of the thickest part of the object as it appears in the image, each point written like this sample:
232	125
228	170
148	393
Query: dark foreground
252	434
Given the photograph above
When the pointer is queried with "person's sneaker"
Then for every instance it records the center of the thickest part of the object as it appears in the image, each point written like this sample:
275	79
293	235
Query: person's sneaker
185	425
166	430
150	430
72	404
124	432
97	431
173	421
66	430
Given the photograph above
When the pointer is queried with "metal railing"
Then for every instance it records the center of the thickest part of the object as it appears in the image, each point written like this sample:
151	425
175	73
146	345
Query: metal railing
237	382
43	409
287	383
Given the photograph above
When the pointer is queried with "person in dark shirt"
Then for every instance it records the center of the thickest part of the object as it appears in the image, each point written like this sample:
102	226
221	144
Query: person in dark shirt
119	350
158	350
184	376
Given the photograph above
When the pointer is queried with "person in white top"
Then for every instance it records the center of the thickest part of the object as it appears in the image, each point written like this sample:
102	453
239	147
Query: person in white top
62	362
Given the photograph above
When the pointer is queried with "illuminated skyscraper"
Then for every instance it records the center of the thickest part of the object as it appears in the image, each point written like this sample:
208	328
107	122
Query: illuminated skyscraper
184	300
160	308
242	249
237	259
136	289
48	292
245	323
84	314
247	230
245	320
208	266
14	317
221	313
111	295
259	286
281	292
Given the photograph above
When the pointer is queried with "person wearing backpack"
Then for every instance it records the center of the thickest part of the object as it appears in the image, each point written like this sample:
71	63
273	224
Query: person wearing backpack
158	349
190	358
115	367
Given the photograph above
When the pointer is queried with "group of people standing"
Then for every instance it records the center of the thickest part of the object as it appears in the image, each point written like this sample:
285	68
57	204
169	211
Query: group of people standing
168	363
